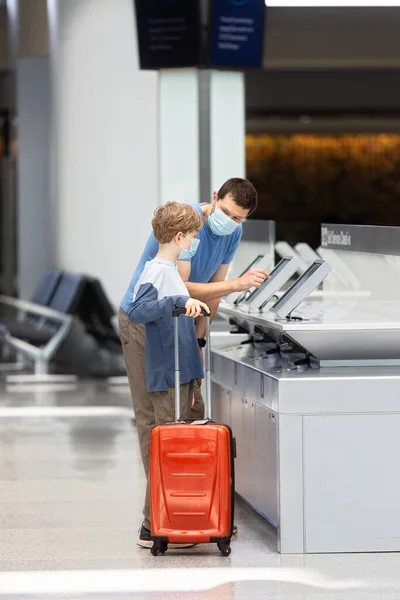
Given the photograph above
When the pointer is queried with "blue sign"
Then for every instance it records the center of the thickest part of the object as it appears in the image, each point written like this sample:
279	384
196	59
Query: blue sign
237	33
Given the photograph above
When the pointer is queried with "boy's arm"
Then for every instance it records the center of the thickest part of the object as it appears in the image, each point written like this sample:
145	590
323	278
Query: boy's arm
147	307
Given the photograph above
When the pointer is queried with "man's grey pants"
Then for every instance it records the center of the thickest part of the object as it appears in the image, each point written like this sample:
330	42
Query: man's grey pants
151	408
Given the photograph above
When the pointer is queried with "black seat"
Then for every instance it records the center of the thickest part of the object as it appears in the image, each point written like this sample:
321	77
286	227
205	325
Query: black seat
3	331
98	354
42	295
46	288
27	331
64	298
96	312
106	311
68	294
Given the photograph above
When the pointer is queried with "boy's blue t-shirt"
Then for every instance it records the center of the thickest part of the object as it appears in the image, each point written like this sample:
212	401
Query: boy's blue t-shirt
213	251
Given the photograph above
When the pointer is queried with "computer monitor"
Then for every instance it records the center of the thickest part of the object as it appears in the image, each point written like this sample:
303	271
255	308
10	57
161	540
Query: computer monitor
342	271
253	264
278	277
301	288
283	249
307	253
260	262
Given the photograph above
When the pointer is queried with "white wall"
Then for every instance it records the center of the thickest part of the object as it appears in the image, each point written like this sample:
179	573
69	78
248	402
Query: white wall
105	123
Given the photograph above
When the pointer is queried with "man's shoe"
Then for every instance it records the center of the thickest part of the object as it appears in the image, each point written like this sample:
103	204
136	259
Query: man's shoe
145	540
234	530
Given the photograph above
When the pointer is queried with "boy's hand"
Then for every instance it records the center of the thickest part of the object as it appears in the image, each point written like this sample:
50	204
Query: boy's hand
194	308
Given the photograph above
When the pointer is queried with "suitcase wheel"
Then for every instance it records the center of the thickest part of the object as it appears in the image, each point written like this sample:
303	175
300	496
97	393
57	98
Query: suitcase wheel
159	548
224	548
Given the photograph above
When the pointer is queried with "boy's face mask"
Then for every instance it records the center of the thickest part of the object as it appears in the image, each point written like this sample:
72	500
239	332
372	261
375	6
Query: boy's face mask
187	254
220	223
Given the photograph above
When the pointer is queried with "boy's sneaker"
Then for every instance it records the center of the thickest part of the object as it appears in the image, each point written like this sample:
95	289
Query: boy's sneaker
145	540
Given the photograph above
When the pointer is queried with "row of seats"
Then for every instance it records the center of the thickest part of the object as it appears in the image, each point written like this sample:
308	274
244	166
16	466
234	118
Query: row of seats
91	337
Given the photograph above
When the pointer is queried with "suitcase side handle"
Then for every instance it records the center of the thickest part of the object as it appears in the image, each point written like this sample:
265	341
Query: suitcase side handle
207	364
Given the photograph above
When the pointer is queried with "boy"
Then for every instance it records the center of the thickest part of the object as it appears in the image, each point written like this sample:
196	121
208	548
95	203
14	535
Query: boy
159	290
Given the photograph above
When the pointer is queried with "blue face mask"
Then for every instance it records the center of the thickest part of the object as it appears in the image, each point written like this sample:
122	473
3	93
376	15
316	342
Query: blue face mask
188	254
220	223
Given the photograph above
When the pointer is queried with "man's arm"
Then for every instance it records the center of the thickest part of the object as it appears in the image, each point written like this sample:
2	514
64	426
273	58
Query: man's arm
213	305
218	287
201	321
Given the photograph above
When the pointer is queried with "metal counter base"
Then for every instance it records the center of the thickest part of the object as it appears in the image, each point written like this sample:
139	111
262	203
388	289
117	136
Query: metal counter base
317	449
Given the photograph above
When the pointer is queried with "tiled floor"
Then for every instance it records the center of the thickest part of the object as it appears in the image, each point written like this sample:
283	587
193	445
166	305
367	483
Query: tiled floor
71	488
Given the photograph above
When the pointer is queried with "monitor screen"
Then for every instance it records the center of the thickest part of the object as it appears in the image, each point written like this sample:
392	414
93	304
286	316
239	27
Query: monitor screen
301	288
297	285
268	282
243	295
252	265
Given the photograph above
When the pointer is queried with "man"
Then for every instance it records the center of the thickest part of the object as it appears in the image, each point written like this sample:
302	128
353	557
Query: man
205	278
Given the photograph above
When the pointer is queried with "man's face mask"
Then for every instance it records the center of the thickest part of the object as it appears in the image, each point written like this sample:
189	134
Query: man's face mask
220	223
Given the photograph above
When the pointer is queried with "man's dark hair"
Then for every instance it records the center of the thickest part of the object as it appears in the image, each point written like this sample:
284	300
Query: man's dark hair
242	191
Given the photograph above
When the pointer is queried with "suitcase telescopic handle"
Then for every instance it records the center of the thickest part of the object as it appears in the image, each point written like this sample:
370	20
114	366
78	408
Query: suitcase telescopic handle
207	364
181	311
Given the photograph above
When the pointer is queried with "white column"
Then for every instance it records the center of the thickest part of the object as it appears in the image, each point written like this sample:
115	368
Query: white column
28	205
202	132
34	252
105	140
227	127
179	136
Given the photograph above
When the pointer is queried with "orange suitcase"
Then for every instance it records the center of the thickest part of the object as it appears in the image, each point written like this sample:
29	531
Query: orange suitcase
191	474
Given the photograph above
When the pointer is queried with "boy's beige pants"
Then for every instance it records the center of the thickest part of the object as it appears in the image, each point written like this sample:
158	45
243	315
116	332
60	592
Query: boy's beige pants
151	408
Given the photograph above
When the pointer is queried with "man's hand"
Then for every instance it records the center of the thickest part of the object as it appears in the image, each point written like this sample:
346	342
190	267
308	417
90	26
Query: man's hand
253	278
194	308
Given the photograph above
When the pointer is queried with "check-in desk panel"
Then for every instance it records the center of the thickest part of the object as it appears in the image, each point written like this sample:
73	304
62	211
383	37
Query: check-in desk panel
244	398
317	447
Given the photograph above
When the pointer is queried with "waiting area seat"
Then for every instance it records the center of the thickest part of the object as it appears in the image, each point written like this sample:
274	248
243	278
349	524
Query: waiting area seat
46	287
65	327
27	322
57	291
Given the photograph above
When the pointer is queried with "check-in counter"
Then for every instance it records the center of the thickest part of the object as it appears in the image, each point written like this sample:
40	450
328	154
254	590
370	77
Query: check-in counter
314	405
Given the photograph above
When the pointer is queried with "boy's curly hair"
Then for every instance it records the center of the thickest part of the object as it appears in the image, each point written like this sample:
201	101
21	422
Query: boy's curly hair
173	218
